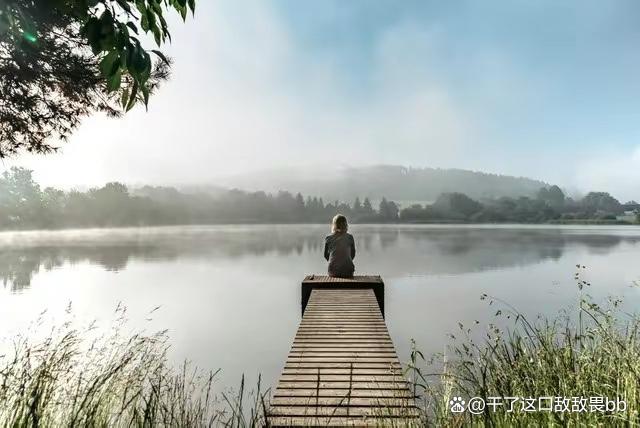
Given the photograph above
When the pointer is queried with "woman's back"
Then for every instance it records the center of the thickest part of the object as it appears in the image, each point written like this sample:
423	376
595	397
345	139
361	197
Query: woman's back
340	250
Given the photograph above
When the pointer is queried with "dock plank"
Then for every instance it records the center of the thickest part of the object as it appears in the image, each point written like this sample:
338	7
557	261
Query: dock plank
342	368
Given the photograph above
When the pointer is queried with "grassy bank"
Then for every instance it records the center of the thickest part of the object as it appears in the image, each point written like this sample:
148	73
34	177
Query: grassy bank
113	379
591	352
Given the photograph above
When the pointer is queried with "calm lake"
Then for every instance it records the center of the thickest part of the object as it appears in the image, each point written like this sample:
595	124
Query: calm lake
230	295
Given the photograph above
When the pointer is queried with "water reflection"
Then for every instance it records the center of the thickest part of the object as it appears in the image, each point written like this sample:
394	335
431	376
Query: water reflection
230	295
392	250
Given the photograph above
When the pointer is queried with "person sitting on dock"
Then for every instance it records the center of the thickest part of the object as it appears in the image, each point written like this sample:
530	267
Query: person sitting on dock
340	249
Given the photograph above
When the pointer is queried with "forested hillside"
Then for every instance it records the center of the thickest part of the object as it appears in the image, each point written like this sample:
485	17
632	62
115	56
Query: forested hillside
397	182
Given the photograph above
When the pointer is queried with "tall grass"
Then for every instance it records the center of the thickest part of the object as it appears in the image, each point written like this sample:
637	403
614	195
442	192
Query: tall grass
115	379
592	352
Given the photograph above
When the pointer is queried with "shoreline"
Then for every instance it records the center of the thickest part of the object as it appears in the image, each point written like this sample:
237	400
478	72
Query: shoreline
547	225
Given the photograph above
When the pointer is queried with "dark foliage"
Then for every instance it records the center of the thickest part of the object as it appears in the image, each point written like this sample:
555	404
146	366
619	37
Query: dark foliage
61	60
601	202
552	195
388	210
457	206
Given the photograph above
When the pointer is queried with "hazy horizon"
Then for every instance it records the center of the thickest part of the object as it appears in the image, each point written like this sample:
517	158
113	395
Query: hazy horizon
546	91
267	179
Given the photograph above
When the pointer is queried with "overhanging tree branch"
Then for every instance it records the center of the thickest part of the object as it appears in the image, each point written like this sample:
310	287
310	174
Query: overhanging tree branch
61	60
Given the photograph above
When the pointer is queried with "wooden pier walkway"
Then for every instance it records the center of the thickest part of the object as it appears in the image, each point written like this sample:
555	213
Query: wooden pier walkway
342	368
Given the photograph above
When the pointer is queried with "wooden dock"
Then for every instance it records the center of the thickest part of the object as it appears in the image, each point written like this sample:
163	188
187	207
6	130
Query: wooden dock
342	368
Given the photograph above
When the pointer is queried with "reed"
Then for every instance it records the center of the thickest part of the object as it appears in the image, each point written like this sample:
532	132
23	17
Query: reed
590	352
114	380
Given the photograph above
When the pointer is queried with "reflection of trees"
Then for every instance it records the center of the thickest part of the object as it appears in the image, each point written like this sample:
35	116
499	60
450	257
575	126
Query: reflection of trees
461	240
18	264
415	250
466	249
366	240
17	270
388	237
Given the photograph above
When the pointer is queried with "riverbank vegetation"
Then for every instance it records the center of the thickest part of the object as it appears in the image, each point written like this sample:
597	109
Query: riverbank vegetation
82	377
25	205
578	369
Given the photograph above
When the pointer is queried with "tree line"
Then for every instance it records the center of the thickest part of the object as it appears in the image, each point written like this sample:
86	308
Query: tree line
25	205
550	205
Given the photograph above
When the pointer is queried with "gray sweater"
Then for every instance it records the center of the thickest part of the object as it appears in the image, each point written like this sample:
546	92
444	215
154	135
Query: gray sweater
340	250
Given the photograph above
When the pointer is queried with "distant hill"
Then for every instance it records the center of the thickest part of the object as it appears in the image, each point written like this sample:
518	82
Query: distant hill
395	182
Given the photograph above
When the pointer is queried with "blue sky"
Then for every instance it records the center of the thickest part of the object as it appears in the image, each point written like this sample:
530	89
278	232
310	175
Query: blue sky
546	89
544	75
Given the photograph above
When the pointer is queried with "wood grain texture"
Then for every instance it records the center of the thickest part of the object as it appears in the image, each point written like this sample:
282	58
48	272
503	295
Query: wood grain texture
342	368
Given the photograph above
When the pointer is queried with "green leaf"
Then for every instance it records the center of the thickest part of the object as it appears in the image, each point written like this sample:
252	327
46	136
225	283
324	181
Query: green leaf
129	52
125	5
145	95
156	8
144	22
151	18
162	56
192	6
137	62
107	31
122	36
124	98
106	18
165	27
91	30
110	63
157	35
113	82
132	98
132	26
142	8
146	73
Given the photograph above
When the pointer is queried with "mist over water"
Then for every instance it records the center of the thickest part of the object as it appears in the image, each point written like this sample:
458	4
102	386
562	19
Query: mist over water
230	296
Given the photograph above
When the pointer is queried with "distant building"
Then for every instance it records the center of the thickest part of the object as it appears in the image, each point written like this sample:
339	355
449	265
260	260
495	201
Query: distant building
630	216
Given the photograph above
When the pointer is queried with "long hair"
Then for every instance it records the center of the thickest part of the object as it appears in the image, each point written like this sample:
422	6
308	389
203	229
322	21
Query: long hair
339	224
